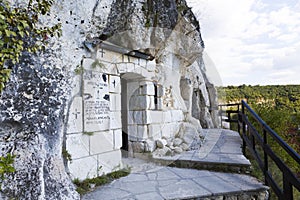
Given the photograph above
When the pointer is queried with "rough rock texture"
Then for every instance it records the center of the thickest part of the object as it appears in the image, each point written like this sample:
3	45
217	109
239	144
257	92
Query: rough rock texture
34	102
32	108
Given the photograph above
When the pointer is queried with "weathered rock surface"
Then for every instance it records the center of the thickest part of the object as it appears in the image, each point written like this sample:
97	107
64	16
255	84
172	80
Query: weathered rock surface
36	99
32	116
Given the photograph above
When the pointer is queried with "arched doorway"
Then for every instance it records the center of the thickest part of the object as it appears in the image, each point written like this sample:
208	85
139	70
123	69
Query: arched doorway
130	85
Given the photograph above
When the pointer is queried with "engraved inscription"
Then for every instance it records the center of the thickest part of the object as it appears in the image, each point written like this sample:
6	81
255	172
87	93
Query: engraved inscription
96	102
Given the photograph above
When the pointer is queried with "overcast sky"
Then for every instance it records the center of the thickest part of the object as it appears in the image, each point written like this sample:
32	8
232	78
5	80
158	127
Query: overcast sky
252	41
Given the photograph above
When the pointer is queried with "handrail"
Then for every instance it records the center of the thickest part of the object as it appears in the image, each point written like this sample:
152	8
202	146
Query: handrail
280	141
252	138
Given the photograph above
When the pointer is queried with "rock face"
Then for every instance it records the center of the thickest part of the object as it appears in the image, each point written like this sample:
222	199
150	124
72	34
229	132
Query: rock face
149	84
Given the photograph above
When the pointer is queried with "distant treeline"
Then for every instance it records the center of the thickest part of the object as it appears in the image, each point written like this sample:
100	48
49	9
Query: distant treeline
280	96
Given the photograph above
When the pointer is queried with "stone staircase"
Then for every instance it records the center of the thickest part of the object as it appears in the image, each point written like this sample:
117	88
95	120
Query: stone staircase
218	170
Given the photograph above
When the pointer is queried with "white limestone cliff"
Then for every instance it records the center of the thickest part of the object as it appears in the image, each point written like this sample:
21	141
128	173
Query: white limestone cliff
36	105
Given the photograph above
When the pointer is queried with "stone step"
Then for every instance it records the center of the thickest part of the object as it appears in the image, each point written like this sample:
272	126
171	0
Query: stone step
221	151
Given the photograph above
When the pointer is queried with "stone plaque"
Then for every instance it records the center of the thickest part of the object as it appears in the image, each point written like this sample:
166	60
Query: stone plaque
96	101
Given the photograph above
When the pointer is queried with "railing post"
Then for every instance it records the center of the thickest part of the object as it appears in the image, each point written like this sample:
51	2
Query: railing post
221	115
244	128
238	121
266	164
287	189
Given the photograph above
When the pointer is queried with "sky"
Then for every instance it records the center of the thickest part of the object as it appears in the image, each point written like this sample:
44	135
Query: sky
252	42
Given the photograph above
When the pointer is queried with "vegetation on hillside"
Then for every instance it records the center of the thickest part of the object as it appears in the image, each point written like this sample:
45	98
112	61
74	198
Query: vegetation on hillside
277	105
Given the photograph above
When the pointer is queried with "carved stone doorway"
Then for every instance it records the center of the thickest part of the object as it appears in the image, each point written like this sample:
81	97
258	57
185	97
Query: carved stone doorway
129	88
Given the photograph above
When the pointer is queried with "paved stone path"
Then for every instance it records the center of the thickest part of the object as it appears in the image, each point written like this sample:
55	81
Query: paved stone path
175	183
221	147
151	181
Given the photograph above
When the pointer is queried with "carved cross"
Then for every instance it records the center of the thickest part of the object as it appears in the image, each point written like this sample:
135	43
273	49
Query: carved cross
76	113
102	52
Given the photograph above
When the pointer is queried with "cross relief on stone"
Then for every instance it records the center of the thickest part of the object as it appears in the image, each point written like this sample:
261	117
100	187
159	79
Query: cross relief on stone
102	52
76	113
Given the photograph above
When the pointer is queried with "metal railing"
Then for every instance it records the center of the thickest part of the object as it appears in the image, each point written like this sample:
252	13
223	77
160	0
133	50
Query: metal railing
229	113
257	141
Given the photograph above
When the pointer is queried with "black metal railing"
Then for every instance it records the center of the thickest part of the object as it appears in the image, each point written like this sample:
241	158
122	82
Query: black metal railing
257	142
229	114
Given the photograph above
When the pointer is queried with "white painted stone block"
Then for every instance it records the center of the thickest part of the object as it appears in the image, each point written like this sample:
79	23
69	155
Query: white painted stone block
147	119
151	105
77	145
110	161
75	116
132	89
160	90
167	116
146	73
112	69
134	102
109	56
101	142
117	138
130	67
143	63
159	105
84	168
138	117
125	58
154	131
114	84
96	101
130	117
167	130
115	120
132	133
138	69
122	67
151	65
142	131
97	65
154	116
147	88
177	115
134	60
176	127
141	102
115	102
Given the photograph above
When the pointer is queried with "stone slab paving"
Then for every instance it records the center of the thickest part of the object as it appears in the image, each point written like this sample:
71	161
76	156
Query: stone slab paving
159	182
148	180
220	147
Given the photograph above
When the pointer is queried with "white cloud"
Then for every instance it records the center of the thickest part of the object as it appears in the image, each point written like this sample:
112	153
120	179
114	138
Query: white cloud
252	41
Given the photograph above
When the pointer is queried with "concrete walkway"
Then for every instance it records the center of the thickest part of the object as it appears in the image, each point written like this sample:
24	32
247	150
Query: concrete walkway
152	181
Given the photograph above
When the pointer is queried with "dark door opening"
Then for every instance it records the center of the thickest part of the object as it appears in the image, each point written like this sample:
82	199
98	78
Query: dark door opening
124	115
